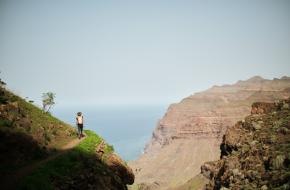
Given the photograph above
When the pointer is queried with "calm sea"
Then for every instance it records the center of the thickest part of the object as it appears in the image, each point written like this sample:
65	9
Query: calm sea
128	129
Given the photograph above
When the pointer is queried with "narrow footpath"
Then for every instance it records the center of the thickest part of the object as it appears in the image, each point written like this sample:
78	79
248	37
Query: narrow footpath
14	178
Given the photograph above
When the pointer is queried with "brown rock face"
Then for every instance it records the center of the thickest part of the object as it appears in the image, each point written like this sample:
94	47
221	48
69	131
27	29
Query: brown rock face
191	131
255	152
117	165
262	108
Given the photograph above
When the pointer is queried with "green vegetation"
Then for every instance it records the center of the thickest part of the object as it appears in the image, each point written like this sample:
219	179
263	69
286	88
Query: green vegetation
109	148
3	100
47	101
25	117
5	123
278	162
32	140
27	133
66	165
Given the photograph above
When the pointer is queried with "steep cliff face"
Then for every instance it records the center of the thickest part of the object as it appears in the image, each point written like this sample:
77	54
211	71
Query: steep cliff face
210	112
255	152
191	131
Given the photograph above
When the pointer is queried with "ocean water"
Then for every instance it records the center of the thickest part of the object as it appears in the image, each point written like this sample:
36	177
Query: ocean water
128	129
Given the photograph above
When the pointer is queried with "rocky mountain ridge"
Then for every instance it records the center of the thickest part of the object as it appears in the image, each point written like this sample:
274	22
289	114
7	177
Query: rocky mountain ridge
190	132
209	113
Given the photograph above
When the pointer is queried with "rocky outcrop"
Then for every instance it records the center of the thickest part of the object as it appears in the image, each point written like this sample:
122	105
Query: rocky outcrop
106	173
255	152
191	131
120	168
262	107
116	164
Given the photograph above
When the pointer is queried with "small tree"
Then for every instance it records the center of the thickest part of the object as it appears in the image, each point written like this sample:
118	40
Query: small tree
2	83
47	101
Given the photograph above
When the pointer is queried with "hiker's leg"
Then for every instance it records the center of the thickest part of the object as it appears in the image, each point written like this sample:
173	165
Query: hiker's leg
79	130
82	130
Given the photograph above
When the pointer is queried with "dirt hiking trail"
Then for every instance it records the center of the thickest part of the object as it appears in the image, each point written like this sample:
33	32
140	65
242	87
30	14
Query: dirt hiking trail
10	182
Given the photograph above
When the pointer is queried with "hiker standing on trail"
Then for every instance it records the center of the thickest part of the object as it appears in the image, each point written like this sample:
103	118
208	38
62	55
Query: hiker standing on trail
80	124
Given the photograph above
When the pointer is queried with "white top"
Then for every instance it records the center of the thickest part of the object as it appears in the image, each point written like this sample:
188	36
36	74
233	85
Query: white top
80	119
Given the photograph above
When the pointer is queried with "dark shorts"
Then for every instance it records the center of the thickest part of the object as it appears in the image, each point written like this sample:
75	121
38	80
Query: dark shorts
80	128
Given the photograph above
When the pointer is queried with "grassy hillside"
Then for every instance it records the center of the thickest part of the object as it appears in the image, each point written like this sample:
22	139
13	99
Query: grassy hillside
31	137
21	116
27	133
76	169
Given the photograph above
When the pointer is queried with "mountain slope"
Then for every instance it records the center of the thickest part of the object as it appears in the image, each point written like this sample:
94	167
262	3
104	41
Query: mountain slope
30	136
191	131
86	166
255	152
27	133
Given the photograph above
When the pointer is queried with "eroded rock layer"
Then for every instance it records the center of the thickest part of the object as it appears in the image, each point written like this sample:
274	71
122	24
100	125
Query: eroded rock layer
191	131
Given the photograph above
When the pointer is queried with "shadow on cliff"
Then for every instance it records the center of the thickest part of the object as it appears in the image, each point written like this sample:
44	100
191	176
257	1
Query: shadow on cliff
18	149
27	165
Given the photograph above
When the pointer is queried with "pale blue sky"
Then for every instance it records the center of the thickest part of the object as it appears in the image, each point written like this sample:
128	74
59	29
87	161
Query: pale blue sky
139	52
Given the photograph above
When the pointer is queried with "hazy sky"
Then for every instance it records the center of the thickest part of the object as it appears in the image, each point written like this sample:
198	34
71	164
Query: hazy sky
139	52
